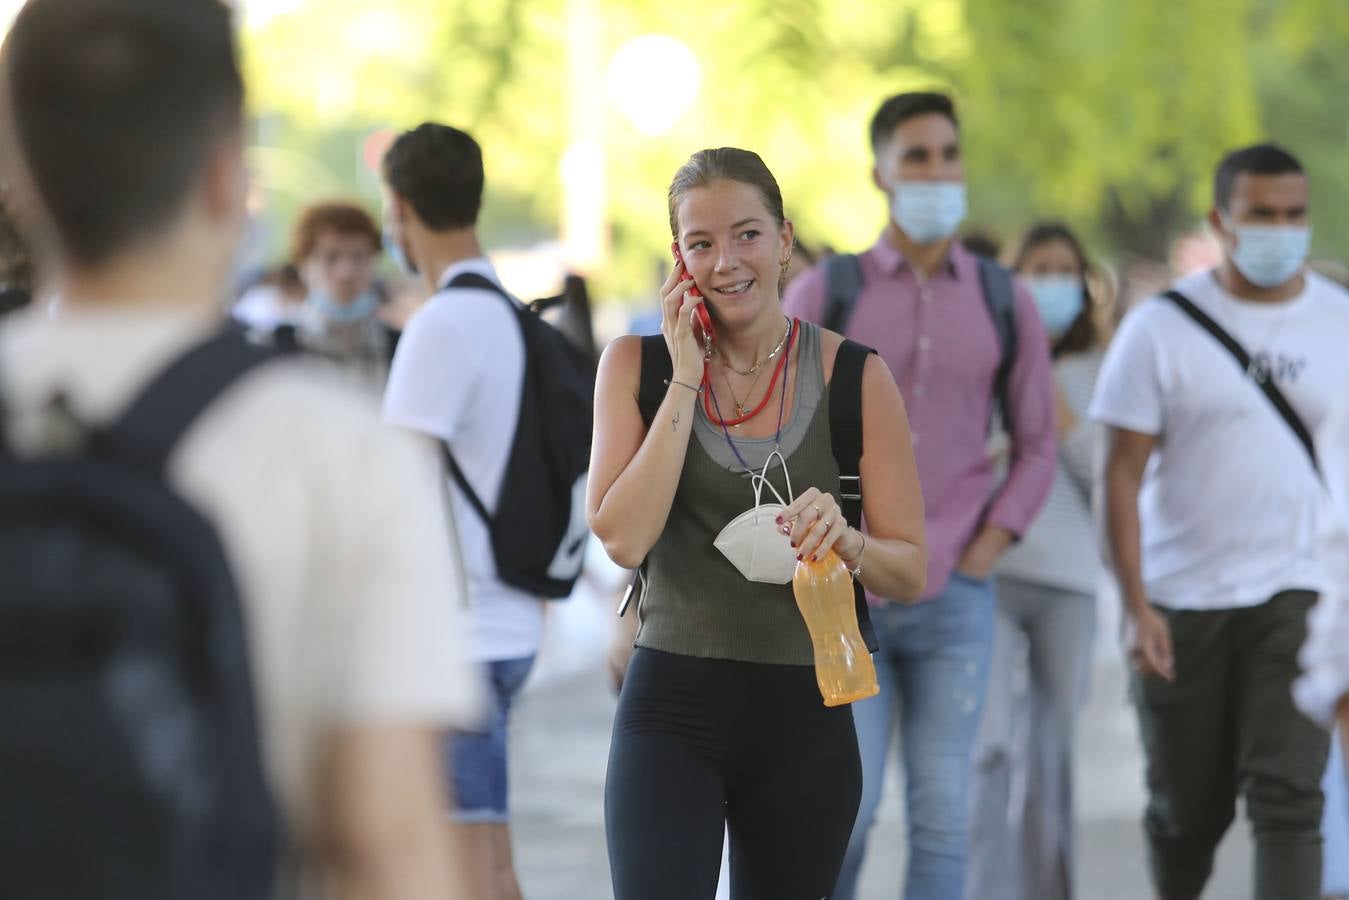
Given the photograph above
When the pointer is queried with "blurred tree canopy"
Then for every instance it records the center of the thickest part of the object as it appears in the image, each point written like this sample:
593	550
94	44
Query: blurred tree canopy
1110	115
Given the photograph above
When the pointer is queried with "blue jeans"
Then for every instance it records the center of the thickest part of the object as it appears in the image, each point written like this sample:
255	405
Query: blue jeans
933	661
476	760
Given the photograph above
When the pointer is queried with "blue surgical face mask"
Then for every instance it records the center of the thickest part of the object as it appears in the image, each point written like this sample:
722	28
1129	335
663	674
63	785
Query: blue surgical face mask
1060	299
362	307
1269	255
928	211
398	254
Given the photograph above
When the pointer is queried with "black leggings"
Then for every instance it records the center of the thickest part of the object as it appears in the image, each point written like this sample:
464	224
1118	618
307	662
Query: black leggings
700	745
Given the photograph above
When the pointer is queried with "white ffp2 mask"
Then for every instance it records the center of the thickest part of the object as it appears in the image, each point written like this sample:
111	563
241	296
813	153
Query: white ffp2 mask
753	541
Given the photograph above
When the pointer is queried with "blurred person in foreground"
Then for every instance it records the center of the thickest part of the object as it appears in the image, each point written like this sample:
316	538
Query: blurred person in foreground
1212	504
1323	690
16	265
1046	614
345	582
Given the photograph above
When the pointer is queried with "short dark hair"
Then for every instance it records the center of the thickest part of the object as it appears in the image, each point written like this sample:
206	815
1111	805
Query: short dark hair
1258	159
332	217
438	169
730	164
1083	334
117	105
900	108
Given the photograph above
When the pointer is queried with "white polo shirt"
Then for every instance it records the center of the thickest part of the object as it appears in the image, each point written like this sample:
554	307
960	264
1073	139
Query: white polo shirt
457	375
1230	503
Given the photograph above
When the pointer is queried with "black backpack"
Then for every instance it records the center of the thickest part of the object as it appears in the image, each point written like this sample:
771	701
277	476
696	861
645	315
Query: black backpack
130	765
539	530
843	283
845	433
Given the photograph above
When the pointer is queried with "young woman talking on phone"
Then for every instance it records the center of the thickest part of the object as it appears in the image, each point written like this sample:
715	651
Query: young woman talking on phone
720	721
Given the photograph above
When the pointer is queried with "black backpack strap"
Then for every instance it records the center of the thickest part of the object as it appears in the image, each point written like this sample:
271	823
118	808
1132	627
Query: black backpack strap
845	425
1254	372
150	428
474	280
1000	295
845	432
843	284
657	370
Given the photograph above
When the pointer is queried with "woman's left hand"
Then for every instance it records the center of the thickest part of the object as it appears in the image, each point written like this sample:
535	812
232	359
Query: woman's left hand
814	524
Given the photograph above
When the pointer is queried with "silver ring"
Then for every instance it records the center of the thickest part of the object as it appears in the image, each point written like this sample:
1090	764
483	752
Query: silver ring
828	525
818	511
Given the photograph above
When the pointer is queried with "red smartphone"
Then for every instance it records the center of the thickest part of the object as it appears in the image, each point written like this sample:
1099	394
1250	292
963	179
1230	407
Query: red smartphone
703	332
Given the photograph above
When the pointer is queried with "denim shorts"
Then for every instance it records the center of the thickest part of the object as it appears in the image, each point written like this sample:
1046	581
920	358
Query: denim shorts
476	760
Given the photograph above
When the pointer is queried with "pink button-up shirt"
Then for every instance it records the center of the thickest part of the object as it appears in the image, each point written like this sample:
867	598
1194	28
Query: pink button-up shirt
938	339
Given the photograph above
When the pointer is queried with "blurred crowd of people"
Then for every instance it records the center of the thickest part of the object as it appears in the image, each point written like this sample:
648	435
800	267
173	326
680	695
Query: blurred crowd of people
384	459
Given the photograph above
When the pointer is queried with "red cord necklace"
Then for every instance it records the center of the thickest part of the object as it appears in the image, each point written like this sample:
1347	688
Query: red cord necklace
777	372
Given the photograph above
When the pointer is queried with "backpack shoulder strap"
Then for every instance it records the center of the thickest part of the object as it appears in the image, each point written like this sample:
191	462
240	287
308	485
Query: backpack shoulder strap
845	431
1253	371
474	280
1000	295
656	370
843	283
845	425
155	421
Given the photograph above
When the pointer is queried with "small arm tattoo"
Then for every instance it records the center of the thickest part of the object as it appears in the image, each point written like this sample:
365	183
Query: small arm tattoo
675	423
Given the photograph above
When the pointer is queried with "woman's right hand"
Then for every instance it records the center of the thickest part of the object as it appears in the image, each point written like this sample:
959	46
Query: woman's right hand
677	309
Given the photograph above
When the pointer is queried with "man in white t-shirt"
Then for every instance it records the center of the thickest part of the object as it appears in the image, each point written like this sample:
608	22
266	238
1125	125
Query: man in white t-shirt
1211	513
457	376
337	548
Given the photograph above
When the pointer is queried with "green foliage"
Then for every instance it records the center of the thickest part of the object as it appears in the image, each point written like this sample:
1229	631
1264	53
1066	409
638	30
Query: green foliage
1108	114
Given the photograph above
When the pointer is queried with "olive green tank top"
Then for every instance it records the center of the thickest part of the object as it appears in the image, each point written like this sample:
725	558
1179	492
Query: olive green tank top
696	603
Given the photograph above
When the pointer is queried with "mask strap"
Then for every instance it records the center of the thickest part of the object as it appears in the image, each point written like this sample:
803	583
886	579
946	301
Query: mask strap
760	481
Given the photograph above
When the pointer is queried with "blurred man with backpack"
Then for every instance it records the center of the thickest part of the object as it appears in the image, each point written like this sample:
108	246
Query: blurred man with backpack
190	529
510	400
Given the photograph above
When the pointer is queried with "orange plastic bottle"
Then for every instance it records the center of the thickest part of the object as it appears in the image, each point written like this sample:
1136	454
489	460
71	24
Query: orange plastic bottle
843	667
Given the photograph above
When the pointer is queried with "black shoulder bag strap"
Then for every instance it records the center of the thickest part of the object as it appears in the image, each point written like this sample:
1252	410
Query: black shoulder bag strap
1254	372
843	284
845	425
656	369
147	432
845	433
482	282
1000	295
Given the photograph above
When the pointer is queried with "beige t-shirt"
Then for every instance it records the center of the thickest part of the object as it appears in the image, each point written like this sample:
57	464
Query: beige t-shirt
341	552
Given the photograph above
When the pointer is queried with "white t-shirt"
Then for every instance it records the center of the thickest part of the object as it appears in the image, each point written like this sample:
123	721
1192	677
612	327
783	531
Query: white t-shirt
1229	505
338	548
457	375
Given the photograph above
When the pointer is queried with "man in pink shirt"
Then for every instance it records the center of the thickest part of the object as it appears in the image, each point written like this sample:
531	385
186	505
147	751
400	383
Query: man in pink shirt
962	341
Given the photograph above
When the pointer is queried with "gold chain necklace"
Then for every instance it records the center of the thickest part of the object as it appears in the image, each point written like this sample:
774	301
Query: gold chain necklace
740	408
763	362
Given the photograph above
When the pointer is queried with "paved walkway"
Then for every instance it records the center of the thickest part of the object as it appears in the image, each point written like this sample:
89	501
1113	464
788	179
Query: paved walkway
561	744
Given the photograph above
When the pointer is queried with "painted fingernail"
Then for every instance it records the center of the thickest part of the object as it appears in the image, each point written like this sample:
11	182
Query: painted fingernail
798	556
779	520
814	559
794	547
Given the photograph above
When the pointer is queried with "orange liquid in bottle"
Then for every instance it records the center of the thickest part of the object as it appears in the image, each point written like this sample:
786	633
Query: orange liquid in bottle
843	667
